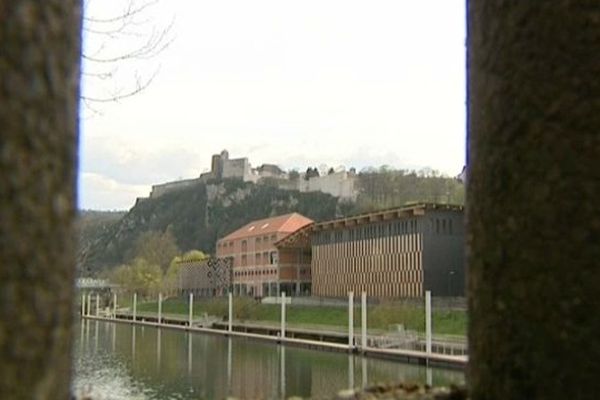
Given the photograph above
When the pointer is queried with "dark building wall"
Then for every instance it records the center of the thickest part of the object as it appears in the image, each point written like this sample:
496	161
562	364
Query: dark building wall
443	253
400	257
381	258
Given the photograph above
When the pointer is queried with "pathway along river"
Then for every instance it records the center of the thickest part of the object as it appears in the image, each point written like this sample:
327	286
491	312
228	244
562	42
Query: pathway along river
120	361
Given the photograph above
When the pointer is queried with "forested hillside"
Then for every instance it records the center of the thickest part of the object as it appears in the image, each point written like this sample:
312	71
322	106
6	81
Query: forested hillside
386	187
92	226
198	215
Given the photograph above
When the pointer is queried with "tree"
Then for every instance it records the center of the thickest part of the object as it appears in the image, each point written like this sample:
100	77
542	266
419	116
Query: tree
194	255
140	276
311	173
105	59
155	247
532	199
39	66
170	280
294	175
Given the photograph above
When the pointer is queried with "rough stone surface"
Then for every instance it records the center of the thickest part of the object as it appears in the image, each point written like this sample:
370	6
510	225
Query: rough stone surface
532	199
39	81
405	391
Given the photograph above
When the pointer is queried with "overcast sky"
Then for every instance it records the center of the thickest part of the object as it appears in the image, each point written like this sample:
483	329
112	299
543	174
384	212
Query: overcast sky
295	83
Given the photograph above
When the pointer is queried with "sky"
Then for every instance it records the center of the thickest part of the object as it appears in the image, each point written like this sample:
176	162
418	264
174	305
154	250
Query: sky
294	83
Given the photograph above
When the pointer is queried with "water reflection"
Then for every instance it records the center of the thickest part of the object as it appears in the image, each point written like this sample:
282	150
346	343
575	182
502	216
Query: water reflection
190	354
429	374
119	362
350	371
158	349
114	337
133	332
96	336
229	362
365	381
281	370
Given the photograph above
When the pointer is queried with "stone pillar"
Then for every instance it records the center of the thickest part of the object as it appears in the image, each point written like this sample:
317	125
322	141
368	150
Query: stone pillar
532	199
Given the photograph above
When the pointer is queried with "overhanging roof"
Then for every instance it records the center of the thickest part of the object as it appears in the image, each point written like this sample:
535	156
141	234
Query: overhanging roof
300	237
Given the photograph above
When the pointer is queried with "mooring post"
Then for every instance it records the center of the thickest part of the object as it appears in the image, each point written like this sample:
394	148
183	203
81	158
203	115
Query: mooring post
350	320
82	305
114	305
97	304
159	308
363	314
230	325
428	321
134	306
191	308
282	315
88	310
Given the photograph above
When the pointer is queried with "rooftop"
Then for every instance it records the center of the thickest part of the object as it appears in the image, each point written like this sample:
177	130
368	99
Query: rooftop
300	236
287	223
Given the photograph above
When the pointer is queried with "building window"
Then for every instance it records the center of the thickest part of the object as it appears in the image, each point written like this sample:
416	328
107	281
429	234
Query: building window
273	238
244	260
244	246
257	258
257	241
274	258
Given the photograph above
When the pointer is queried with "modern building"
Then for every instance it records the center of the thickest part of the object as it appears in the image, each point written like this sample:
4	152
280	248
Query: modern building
394	253
259	269
206	278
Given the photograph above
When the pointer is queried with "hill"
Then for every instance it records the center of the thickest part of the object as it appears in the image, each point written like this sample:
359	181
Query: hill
197	216
91	227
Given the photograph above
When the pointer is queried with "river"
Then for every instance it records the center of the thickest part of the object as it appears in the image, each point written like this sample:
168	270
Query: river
120	361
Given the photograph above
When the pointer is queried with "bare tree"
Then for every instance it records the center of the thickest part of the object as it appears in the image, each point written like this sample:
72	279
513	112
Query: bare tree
117	48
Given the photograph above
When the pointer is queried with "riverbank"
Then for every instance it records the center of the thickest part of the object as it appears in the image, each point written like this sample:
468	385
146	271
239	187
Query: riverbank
383	317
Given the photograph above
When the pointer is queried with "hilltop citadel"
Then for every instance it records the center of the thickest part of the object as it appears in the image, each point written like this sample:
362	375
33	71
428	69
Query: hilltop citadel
337	183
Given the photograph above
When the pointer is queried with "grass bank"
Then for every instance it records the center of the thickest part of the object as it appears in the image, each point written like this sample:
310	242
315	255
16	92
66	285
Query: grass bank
382	317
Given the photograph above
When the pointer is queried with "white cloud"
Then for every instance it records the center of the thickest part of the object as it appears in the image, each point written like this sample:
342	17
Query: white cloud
292	83
102	193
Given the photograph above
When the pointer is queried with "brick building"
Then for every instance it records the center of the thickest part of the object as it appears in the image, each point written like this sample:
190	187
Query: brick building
259	269
392	253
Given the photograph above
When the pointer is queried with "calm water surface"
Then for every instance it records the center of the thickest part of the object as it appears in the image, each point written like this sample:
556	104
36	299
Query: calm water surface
119	361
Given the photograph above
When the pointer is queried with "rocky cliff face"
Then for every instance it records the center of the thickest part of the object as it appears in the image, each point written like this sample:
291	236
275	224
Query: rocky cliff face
197	216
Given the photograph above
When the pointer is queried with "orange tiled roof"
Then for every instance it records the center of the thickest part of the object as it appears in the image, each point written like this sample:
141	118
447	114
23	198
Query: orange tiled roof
287	223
